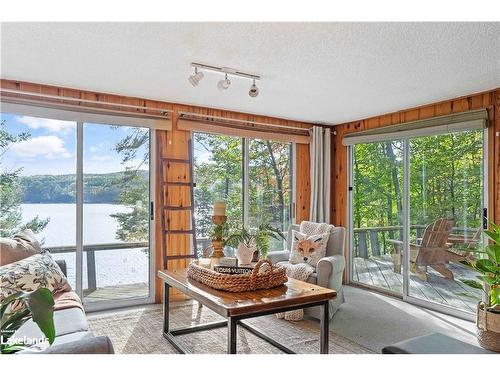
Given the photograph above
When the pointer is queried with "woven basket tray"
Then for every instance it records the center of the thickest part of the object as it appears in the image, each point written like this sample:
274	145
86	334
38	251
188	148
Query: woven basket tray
270	278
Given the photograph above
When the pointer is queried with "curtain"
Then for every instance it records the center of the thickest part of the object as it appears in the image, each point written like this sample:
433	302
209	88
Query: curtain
320	174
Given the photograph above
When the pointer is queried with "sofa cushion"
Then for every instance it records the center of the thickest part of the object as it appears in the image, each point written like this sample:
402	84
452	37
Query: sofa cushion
22	245
86	345
34	272
66	322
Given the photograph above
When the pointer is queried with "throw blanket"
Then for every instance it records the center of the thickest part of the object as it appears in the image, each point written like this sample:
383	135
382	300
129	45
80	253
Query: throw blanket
301	272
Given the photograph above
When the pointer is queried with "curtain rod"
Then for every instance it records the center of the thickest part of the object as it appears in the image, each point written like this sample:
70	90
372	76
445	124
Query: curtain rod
82	109
241	121
68	98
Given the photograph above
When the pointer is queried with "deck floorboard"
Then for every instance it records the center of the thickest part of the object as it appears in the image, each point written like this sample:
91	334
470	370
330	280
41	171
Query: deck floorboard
378	271
116	292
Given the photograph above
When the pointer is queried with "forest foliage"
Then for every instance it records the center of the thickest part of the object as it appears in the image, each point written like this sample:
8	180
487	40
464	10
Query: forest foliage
445	181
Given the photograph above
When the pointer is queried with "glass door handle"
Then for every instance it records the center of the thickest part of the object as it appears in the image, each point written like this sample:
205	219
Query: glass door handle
485	218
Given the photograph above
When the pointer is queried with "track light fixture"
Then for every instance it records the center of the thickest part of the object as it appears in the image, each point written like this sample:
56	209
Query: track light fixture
254	90
195	78
225	83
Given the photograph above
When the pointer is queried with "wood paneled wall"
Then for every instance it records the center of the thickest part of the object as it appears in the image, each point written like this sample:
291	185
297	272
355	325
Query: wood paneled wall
489	100
174	144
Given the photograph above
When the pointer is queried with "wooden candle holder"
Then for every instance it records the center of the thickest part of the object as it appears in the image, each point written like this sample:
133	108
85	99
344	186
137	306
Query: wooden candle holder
218	242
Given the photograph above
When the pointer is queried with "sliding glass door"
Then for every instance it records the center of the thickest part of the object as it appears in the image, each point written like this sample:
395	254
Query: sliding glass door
417	211
446	216
377	214
116	196
84	189
38	183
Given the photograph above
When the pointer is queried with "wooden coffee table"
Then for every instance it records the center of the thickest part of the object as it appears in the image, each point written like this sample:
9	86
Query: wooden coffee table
235	307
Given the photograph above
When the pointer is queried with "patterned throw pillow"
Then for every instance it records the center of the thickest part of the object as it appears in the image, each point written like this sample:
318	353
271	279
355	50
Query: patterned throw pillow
36	271
308	249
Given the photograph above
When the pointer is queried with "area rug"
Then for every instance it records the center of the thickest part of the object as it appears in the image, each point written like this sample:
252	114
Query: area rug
139	331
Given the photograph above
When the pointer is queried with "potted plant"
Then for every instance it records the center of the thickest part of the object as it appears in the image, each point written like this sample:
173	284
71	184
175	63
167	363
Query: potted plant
488	311
38	305
248	242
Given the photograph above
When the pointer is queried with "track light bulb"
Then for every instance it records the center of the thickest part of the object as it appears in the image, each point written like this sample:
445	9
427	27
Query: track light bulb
223	84
195	78
254	90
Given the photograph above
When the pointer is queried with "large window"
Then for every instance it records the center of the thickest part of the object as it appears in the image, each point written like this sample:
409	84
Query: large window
218	173
253	176
84	189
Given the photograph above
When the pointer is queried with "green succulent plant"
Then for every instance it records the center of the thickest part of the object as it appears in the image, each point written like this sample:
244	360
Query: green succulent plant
260	236
489	269
38	305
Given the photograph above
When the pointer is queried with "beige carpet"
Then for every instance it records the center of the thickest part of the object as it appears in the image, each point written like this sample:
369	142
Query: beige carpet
139	331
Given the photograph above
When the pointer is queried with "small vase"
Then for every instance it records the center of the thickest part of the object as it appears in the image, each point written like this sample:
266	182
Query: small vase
244	254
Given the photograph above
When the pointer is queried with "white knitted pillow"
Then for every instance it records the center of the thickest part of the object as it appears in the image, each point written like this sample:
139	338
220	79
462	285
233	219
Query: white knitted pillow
308	249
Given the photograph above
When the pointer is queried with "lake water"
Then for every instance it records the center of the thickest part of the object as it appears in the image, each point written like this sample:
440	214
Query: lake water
113	267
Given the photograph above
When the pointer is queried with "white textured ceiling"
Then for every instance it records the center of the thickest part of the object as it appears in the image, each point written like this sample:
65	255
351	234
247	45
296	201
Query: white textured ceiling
320	72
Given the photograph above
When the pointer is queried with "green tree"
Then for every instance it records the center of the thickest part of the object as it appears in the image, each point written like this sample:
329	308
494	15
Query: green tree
11	191
133	226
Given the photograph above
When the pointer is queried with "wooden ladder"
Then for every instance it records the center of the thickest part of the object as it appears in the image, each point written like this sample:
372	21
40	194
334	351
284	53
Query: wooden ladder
165	209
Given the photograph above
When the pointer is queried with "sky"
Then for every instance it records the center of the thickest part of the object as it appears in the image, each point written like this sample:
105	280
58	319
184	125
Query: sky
51	148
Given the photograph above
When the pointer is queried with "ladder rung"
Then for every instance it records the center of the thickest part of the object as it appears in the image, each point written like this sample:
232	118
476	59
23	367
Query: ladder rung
179	183
178	208
168	257
173	160
179	231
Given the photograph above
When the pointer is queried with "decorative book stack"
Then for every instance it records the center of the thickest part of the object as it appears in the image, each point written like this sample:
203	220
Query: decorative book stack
233	270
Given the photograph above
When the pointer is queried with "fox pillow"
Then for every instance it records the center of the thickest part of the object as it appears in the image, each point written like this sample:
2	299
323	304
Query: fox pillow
308	249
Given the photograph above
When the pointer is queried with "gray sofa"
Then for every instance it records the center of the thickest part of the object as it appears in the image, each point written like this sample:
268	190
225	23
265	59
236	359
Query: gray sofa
329	270
72	333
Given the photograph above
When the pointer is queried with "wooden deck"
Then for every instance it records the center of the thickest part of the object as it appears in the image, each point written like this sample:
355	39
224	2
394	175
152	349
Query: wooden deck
378	271
116	292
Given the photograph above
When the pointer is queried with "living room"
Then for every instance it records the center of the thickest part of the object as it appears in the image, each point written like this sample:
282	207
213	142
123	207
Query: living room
249	188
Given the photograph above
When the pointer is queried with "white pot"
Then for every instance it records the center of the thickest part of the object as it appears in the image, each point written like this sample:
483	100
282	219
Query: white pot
244	254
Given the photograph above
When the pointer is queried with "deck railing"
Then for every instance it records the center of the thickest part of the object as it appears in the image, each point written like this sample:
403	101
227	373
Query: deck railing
90	251
372	241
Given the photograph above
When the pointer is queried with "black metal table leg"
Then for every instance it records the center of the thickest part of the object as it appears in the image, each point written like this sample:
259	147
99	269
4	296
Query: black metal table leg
231	335
324	323
166	307
166	314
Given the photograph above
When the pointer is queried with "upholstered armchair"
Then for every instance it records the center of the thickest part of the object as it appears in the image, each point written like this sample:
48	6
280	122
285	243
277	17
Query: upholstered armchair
329	270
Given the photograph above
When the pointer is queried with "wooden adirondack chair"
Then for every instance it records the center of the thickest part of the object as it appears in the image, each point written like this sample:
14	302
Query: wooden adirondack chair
432	251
